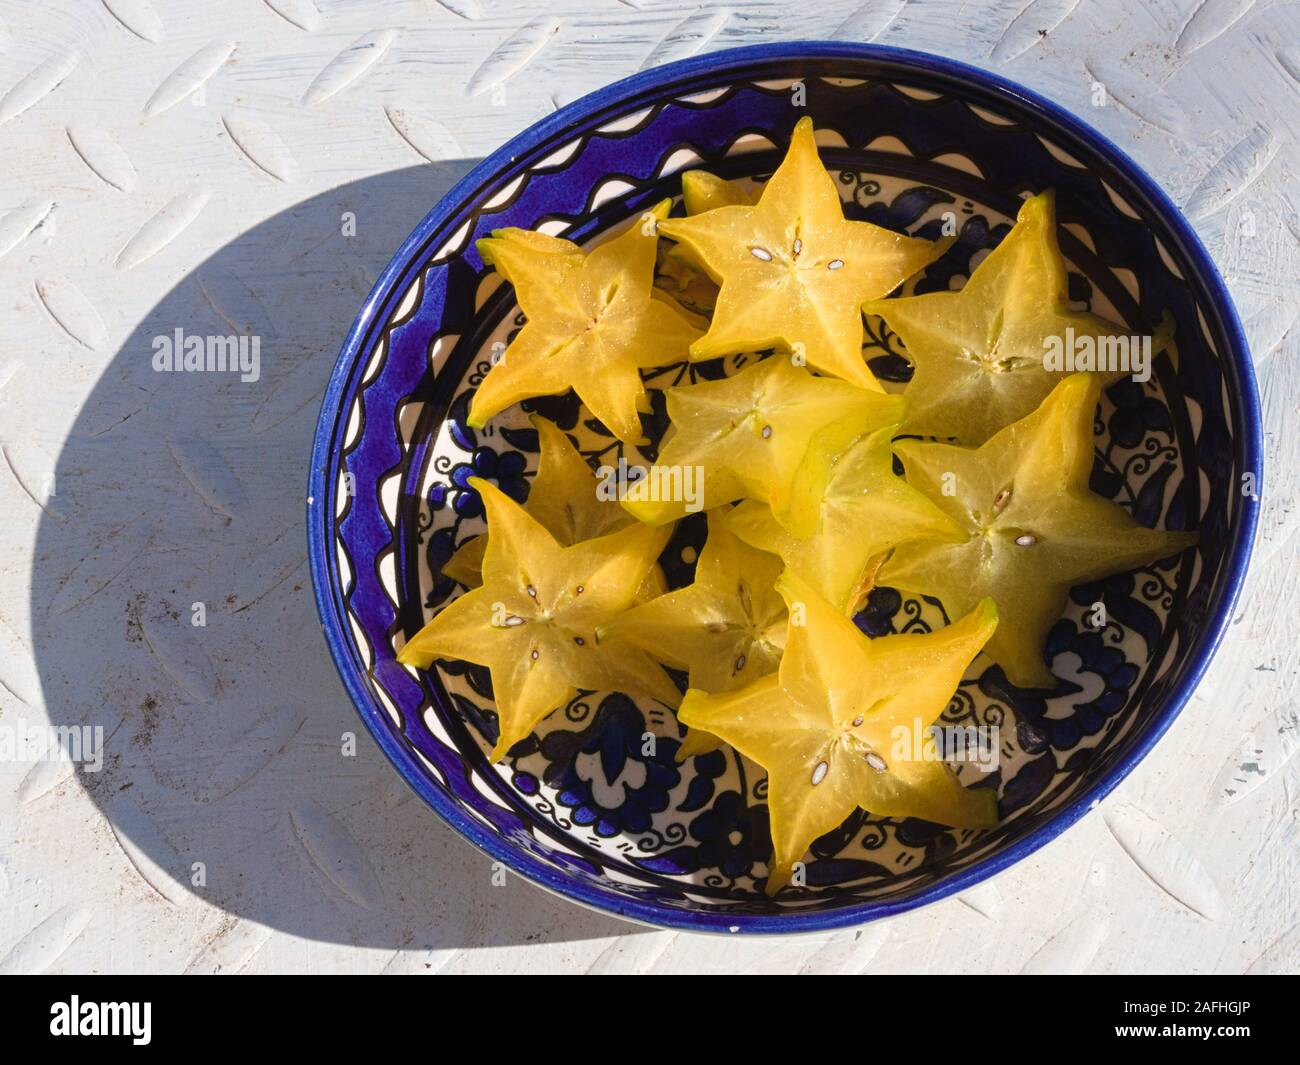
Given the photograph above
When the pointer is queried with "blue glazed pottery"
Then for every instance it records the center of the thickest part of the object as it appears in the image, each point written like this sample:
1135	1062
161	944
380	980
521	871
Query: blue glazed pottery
919	144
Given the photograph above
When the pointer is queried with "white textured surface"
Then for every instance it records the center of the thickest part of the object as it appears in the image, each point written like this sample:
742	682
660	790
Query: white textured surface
182	163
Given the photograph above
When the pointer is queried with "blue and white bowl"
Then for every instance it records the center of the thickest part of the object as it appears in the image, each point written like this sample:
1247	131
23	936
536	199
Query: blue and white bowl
578	808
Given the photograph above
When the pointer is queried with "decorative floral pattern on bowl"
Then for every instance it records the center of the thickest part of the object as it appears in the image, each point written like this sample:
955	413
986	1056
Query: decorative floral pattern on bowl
594	804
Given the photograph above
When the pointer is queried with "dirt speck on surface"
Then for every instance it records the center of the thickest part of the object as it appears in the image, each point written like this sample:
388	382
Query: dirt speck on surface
134	613
150	717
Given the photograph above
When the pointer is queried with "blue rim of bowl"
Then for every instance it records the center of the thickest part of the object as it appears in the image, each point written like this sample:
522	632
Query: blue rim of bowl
1248	443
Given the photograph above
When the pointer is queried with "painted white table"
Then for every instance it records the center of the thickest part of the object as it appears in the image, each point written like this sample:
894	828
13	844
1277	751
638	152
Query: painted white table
184	164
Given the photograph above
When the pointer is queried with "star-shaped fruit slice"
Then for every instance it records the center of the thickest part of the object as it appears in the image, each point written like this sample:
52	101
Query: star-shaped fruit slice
564	499
980	355
702	191
793	271
864	509
1035	528
747	434
726	629
592	324
534	618
837	727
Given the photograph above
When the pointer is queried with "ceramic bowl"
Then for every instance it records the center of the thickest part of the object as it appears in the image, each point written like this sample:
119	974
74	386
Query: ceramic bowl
914	141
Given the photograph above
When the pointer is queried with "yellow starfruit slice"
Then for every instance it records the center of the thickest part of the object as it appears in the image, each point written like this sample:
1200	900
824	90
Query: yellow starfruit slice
844	724
564	500
702	191
987	356
592	324
864	509
533	620
1035	528
726	629
793	271
745	436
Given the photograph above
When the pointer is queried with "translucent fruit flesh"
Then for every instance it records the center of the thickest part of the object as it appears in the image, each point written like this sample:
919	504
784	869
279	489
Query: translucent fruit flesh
793	272
978	354
864	510
726	629
593	323
749	433
826	727
533	620
1035	528
702	191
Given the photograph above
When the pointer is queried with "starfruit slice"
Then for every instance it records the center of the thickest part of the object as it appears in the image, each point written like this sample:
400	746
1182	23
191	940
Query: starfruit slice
862	509
726	629
592	324
746	435
563	498
533	620
793	272
981	355
1035	528
702	191
837	728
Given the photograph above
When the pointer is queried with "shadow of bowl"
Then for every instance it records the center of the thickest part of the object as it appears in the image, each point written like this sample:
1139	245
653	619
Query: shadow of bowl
172	609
